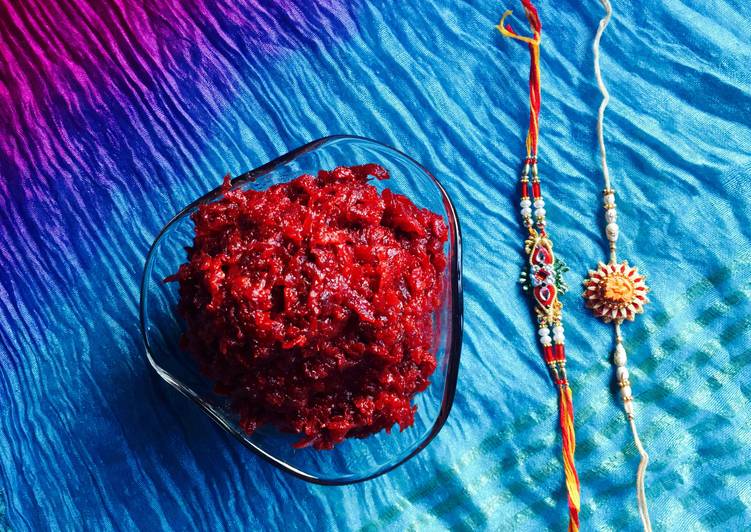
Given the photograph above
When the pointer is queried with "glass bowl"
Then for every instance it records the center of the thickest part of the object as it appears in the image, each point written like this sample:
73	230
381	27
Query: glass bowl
353	460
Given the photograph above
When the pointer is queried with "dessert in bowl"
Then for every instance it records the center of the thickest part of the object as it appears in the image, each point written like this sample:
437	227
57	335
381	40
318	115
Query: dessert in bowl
313	308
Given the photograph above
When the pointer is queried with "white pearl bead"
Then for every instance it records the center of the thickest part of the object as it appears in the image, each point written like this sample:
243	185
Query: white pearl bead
621	374
626	392
539	204
557	329
525	203
611	230
546	340
611	215
628	406
544	331
559	338
619	357
540	213
526	212
609	199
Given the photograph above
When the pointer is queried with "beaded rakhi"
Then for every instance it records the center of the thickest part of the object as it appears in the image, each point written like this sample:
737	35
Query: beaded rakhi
542	276
616	292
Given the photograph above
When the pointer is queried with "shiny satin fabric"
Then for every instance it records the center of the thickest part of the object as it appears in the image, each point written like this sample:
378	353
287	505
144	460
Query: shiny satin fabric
117	114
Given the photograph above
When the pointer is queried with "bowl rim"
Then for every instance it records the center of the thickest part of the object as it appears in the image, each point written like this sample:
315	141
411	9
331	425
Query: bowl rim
457	316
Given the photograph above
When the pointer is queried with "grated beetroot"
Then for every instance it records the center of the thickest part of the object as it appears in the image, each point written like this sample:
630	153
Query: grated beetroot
310	304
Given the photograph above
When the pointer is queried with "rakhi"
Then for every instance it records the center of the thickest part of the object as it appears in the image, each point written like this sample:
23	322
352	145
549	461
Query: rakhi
616	291
543	275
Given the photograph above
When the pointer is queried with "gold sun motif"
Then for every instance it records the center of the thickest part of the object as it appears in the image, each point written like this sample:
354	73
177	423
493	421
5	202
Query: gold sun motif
615	292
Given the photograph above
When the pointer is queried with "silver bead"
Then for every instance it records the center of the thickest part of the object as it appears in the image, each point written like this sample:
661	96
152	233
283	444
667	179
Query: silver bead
619	357
611	230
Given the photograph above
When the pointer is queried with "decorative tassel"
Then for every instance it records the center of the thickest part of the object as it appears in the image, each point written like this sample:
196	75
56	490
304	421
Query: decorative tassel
566	408
568	439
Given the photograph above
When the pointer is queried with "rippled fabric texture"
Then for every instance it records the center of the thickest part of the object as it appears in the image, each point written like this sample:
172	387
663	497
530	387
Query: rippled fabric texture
116	114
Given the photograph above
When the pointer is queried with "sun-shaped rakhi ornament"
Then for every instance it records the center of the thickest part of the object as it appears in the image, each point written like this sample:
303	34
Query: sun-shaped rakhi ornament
615	292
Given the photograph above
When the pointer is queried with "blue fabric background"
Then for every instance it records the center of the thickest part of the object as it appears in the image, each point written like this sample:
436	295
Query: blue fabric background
114	116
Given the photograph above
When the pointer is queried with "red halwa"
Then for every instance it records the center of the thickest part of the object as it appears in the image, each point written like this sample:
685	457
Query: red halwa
311	304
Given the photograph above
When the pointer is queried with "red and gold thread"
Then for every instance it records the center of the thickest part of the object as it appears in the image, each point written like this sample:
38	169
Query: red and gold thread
542	277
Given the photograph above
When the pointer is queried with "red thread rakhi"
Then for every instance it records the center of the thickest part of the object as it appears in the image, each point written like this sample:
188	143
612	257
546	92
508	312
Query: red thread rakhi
543	275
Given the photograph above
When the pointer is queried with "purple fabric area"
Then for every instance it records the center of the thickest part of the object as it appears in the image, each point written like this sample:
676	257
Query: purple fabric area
100	99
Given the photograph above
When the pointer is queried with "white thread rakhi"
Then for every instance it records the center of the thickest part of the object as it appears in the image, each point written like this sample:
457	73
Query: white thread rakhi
617	292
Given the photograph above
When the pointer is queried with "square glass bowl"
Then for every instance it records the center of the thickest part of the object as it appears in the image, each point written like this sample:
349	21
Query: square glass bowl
353	460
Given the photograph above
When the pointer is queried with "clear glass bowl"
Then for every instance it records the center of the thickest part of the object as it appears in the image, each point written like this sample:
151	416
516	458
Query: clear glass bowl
353	460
